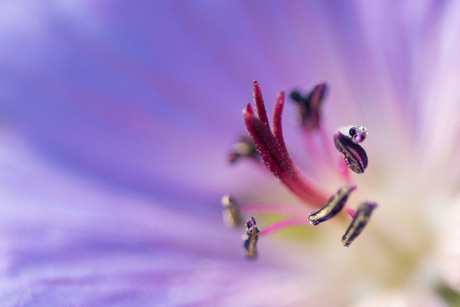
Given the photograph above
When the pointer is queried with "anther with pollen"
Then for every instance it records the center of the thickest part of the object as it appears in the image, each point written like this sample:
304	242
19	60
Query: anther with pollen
250	239
308	107
333	207
231	211
243	148
358	223
353	154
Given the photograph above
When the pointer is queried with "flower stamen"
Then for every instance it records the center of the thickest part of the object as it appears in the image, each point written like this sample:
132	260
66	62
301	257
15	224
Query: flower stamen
243	148
282	224
333	206
250	239
360	220
353	154
308	107
231	211
279	209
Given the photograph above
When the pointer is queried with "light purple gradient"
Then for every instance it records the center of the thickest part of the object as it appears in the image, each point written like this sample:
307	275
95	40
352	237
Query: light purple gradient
116	117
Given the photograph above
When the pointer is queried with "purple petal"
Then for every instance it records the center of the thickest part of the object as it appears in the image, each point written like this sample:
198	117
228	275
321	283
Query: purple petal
121	114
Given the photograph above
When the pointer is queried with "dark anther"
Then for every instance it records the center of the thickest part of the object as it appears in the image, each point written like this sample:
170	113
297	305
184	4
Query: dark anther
243	148
354	155
250	239
309	106
231	211
358	223
333	207
297	97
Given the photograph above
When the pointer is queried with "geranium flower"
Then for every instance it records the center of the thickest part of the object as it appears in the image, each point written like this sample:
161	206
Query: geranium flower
116	119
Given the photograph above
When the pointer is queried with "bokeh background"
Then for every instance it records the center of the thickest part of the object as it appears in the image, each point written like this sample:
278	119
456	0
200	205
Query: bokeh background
116	118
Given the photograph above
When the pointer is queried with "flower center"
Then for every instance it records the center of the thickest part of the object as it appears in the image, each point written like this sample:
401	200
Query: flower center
384	255
270	145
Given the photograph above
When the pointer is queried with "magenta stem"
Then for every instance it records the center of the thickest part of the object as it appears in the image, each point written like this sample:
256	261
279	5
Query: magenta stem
327	143
283	224
345	172
351	212
312	147
271	208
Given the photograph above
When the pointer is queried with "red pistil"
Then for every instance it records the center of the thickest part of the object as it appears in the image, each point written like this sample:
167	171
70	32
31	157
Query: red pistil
272	148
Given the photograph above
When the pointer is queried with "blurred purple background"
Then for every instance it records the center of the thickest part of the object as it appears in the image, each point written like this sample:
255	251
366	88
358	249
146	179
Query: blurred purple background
116	118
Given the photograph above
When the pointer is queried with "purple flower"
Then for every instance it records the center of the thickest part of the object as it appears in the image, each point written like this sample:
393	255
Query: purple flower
116	118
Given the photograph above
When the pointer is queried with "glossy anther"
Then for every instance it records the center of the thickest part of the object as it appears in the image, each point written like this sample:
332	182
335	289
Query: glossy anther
334	205
308	107
243	148
358	223
231	211
353	154
250	239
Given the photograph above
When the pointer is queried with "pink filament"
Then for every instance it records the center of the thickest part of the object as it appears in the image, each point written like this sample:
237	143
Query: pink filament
327	142
351	212
312	147
283	224
271	209
345	171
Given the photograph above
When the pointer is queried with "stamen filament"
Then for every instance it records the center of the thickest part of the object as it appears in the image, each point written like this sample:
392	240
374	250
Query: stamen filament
312	148
351	212
345	171
282	224
271	208
326	140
